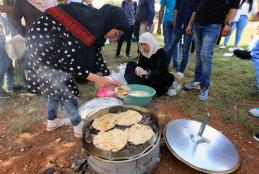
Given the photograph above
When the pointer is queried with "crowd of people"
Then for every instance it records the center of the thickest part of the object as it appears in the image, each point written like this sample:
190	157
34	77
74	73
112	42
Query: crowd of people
64	43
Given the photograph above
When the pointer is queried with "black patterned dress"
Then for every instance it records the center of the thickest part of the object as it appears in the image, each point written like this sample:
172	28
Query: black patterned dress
56	57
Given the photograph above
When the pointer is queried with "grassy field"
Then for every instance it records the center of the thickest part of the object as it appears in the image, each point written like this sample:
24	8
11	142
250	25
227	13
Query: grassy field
233	82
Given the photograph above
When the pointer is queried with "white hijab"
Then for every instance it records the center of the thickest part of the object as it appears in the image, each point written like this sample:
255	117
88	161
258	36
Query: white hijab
43	5
148	38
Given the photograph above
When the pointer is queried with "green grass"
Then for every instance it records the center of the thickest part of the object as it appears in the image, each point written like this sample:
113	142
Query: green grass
233	81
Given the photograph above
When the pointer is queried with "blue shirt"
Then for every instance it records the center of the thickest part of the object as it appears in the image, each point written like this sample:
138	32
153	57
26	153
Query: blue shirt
185	9
169	10
255	51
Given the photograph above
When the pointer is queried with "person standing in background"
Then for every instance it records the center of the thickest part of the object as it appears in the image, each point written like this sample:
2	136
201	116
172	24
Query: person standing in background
145	15
207	20
6	67
129	7
166	15
255	58
182	14
241	20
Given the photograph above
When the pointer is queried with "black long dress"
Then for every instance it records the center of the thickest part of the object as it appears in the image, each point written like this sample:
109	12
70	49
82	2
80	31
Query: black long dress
61	47
158	76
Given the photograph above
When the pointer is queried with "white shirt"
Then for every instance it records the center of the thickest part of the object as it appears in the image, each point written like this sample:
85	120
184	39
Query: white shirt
244	10
79	1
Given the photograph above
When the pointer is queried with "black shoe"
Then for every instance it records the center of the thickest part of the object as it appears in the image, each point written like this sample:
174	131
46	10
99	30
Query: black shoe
117	56
256	137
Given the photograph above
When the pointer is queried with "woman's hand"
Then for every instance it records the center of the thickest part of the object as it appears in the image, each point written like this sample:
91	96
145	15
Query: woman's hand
139	71
112	81
101	81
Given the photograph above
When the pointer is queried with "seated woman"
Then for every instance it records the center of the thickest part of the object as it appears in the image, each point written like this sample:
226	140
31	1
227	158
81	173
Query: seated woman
151	69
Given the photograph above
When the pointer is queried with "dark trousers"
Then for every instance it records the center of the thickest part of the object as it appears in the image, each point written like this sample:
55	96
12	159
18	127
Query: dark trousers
127	36
136	33
243	54
193	47
136	30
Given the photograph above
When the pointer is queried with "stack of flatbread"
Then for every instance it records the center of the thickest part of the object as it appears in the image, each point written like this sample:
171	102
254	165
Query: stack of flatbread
116	139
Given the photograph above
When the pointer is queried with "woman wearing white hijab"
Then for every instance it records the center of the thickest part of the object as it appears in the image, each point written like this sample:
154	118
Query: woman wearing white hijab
151	69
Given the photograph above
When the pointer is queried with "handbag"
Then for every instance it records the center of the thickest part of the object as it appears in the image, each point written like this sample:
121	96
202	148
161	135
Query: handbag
15	47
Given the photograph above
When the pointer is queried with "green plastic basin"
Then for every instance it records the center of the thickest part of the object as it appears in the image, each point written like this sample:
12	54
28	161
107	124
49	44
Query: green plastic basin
140	100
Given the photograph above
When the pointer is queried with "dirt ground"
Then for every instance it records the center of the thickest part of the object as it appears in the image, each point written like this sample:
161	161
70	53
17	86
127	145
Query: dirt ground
36	150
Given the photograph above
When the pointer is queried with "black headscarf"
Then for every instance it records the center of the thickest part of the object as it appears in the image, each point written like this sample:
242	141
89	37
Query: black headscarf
98	21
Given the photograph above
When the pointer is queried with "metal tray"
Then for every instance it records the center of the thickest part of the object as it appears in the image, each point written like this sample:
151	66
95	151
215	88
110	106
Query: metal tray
201	147
130	151
92	106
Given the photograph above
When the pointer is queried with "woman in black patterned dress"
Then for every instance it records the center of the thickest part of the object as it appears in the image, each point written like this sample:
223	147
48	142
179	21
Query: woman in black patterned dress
64	44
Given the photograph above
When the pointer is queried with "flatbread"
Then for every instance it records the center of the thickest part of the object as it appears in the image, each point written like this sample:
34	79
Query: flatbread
105	122
128	118
113	140
139	134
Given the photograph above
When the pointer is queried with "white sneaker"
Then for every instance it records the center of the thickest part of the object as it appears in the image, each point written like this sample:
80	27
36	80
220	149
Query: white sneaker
54	124
254	112
179	75
171	92
222	47
78	130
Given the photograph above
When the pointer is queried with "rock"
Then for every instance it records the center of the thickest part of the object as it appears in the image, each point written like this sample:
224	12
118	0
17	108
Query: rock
22	149
83	151
73	166
58	140
243	149
240	138
250	142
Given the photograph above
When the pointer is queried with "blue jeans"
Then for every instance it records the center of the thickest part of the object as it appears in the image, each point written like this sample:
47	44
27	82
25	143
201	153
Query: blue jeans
256	66
239	26
70	106
6	69
176	37
205	38
167	31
